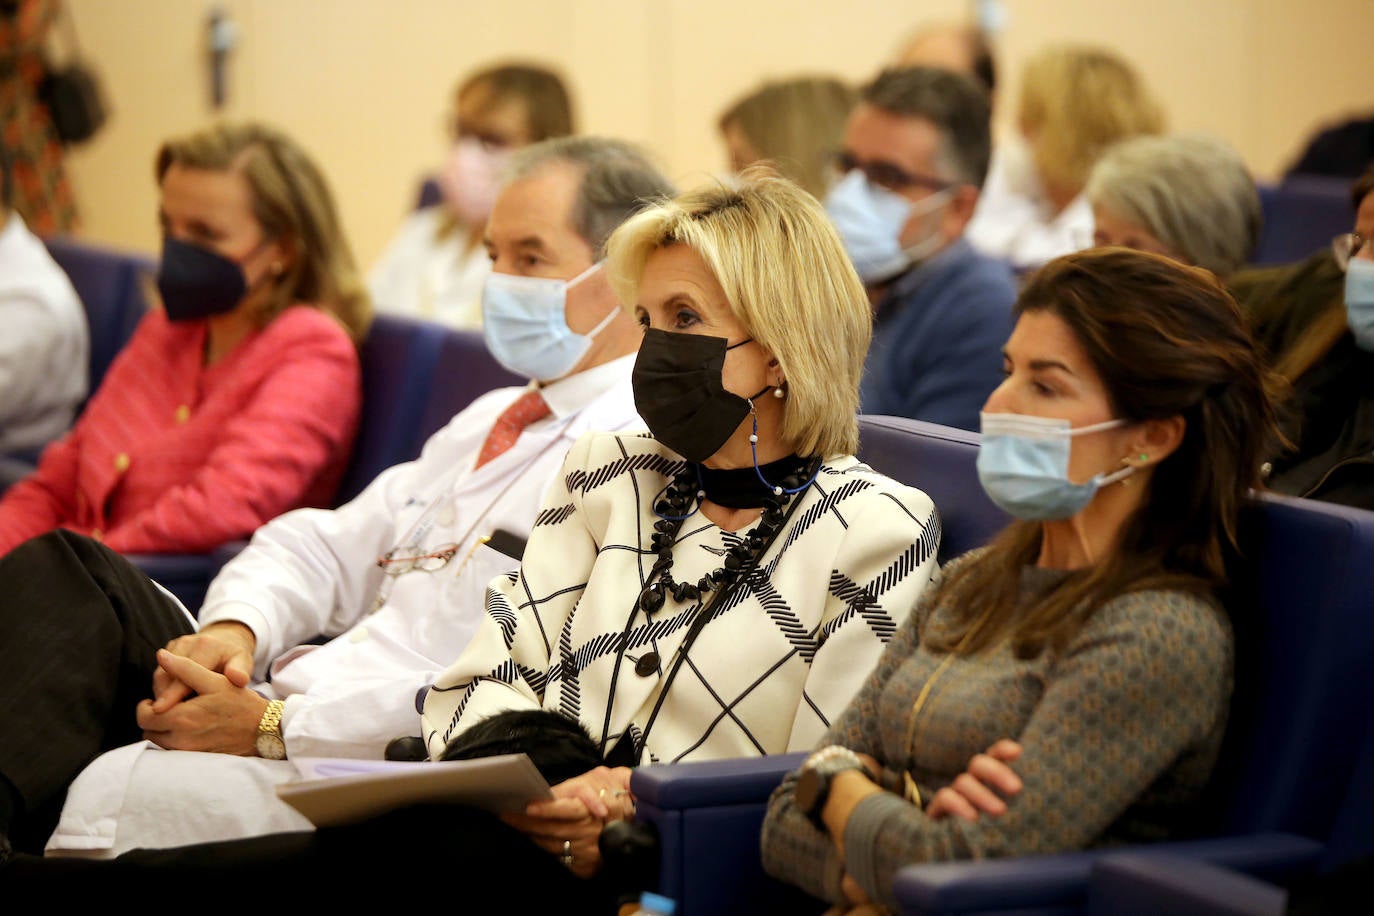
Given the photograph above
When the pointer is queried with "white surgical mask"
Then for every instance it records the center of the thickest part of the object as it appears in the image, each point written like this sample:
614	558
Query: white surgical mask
870	220
526	328
1023	464
1359	301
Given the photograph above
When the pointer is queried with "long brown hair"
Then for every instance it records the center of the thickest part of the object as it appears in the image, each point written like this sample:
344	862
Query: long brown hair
1166	340
292	203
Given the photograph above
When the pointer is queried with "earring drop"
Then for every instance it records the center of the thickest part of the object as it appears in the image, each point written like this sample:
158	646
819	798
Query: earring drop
779	392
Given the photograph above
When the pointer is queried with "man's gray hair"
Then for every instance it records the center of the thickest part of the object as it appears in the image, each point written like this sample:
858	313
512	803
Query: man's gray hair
618	180
957	106
1190	191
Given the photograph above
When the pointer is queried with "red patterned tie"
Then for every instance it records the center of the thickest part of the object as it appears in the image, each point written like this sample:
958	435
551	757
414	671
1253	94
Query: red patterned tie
522	412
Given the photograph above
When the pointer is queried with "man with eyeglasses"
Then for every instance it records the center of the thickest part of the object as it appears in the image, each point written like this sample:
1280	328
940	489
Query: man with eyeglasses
397	577
915	154
1316	320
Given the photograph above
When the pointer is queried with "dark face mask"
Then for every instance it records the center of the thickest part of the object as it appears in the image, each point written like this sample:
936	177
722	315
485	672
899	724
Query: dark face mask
680	393
196	282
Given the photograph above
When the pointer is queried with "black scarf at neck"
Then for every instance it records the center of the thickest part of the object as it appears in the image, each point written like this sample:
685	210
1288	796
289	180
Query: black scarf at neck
740	488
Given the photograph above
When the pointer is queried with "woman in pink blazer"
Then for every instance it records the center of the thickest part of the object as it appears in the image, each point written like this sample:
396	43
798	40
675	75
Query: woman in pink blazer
239	398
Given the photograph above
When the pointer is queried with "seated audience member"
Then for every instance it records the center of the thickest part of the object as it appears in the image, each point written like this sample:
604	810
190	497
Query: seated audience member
1316	319
1124	439
398	575
716	588
956	46
1075	103
1188	197
435	265
239	398
915	153
796	124
44	350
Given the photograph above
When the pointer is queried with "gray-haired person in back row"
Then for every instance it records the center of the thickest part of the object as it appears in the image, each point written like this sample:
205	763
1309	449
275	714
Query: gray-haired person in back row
1188	197
397	576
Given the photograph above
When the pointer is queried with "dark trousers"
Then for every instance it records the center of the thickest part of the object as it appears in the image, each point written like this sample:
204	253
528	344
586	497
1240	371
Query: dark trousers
430	857
79	628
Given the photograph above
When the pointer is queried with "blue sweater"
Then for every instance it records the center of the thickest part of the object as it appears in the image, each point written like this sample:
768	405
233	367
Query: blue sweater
938	337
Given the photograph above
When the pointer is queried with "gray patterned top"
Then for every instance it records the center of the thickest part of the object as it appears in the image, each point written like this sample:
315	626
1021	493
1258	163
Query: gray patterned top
1120	732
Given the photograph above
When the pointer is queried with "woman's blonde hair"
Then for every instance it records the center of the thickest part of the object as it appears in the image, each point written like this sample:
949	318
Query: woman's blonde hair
1076	102
797	124
292	204
787	279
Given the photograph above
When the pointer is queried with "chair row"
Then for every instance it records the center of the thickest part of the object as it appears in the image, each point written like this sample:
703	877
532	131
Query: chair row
416	376
1293	793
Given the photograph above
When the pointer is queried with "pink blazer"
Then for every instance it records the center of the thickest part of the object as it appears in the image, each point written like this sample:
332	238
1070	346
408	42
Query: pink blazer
171	456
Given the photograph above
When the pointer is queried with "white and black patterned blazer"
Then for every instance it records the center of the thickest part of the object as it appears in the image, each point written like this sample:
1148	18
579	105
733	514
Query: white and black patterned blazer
769	673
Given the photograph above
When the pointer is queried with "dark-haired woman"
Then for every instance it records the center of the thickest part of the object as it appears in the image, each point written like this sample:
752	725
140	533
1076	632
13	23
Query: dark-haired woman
1129	427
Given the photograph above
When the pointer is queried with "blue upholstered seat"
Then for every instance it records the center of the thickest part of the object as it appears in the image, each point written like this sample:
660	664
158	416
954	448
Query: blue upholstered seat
1301	216
111	286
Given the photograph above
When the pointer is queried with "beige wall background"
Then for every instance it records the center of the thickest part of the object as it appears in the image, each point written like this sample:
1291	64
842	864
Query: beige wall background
365	85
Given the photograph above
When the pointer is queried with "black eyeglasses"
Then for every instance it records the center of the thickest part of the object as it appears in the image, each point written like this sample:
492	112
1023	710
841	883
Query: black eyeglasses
886	175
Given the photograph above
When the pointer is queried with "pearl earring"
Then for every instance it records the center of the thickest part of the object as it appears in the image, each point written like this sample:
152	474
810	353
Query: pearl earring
778	392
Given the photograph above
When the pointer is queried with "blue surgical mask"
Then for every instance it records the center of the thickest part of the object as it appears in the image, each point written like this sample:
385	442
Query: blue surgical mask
525	326
870	219
1359	301
1023	464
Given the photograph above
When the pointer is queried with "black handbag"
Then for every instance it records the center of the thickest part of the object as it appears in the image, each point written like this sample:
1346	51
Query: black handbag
72	92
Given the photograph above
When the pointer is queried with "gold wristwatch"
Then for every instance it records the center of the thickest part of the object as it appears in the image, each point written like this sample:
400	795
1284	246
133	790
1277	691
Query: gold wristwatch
270	743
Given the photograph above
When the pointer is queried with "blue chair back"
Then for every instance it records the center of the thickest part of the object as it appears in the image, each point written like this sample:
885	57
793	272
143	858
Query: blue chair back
1303	606
1301	216
399	360
110	284
466	370
941	461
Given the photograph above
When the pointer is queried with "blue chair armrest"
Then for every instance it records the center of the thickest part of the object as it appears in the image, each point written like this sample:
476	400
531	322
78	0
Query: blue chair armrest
690	785
1059	883
708	817
1170	885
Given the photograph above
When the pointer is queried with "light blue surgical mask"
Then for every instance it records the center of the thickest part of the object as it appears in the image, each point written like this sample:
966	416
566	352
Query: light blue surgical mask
526	328
1023	464
1359	301
870	219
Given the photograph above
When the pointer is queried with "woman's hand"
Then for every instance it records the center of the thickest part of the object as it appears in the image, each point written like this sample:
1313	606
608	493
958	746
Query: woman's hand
982	787
580	807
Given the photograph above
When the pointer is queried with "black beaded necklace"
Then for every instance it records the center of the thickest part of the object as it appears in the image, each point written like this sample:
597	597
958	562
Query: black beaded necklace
691	484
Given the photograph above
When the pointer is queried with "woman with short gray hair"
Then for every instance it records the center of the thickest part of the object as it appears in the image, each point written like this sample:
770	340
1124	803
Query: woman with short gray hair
1188	197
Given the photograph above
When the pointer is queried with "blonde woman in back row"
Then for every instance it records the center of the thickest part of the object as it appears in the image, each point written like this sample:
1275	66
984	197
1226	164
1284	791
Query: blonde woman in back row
1075	103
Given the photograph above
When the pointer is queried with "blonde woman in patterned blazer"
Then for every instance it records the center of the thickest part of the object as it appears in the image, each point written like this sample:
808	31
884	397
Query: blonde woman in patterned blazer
1127	432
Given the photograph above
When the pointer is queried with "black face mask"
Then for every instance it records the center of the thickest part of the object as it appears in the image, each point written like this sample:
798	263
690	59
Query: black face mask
196	282
680	393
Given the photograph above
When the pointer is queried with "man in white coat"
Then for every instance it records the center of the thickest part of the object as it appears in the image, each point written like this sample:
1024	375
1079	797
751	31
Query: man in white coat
397	577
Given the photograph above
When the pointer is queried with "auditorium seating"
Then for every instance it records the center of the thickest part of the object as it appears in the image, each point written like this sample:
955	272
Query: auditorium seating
940	461
1301	216
111	286
1282	800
